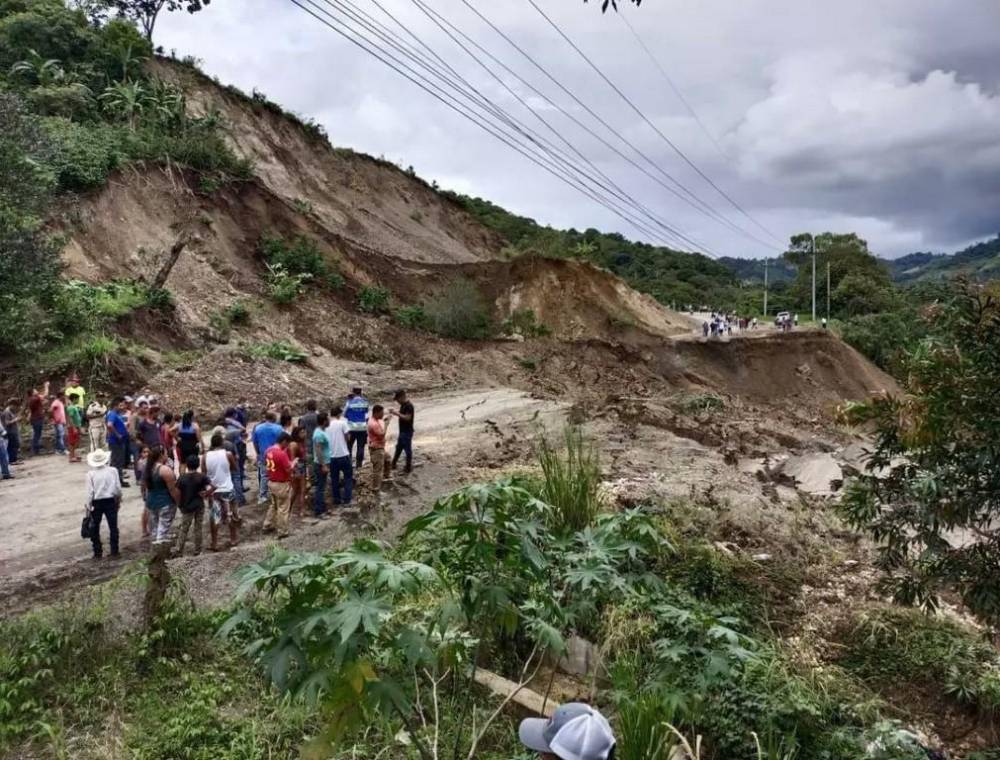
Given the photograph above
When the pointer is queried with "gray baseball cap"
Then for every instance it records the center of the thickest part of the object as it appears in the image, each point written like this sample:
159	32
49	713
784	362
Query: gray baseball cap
575	731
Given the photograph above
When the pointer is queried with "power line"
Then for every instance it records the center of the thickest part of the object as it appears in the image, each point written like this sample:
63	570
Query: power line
435	18
649	122
676	90
407	72
415	77
685	194
520	127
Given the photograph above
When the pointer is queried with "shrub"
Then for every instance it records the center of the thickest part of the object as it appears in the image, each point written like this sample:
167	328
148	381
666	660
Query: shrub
280	350
85	154
460	311
283	286
374	299
570	480
238	313
299	256
413	317
302	206
524	322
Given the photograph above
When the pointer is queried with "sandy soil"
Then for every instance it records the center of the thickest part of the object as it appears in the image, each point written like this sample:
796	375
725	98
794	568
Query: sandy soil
458	434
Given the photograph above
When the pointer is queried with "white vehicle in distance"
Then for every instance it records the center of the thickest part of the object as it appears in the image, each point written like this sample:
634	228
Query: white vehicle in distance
782	317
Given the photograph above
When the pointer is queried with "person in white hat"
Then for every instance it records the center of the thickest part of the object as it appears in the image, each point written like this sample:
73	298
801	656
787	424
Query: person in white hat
575	731
104	494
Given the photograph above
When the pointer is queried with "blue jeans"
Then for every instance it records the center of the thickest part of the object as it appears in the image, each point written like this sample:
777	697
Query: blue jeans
337	466
241	498
4	463
319	489
36	436
60	442
404	445
361	438
262	494
13	443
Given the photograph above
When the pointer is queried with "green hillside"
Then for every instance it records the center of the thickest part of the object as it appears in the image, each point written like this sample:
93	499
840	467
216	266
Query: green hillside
980	261
670	276
752	270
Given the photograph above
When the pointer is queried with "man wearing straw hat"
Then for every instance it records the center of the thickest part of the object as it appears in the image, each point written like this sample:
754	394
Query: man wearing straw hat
104	493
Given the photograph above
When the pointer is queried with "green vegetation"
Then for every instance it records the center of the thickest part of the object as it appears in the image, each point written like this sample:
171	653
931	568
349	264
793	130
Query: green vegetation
281	350
570	481
979	262
221	321
294	262
374	299
460	311
64	670
907	648
524	322
75	105
939	444
672	277
413	317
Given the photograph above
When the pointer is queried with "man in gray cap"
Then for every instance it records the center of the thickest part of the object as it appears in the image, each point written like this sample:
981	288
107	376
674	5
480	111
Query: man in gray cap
574	732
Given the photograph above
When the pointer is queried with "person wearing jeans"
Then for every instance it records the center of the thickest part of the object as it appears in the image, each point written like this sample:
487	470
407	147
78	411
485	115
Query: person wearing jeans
321	463
104	492
4	461
404	442
264	437
117	436
356	415
58	412
338	432
10	420
36	416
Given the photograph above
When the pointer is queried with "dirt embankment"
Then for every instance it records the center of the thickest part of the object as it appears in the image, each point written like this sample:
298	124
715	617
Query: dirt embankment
365	200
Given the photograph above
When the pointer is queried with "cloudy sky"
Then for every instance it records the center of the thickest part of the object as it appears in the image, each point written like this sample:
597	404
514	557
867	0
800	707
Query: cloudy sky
881	118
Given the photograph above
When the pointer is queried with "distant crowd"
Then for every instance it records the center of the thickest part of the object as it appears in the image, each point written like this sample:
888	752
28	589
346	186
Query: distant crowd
297	460
722	324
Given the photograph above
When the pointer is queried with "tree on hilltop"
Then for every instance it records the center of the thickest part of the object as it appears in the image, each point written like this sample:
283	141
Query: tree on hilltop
144	13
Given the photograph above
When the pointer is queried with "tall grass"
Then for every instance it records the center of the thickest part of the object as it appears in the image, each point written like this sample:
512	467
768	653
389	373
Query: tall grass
571	477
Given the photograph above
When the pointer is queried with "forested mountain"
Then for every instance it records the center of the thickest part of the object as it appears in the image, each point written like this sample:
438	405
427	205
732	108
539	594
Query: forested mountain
671	277
980	261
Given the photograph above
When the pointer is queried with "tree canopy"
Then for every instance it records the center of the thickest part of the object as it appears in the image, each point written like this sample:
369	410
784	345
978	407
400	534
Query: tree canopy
931	497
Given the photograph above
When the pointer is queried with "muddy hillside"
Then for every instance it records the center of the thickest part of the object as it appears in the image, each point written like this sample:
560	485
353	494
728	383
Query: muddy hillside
390	247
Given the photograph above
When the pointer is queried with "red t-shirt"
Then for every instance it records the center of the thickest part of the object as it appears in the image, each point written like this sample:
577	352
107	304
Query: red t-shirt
58	410
376	433
36	408
279	466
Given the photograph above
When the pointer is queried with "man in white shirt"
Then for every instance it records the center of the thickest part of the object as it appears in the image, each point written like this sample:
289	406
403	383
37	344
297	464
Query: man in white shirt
340	457
104	493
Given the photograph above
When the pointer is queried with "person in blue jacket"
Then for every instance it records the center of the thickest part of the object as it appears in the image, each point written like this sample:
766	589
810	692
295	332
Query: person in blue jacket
356	414
265	435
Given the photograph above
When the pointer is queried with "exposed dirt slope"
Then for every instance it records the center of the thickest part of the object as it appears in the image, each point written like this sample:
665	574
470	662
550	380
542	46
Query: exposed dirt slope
809	368
368	201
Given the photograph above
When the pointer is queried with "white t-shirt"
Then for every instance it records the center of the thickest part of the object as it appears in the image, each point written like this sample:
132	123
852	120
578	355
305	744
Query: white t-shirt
337	432
217	469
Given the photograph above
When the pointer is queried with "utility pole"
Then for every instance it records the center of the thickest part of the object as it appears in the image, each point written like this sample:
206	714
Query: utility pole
828	290
765	290
813	239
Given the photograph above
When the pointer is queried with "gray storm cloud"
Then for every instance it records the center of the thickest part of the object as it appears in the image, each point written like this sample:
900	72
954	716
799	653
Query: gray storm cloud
884	120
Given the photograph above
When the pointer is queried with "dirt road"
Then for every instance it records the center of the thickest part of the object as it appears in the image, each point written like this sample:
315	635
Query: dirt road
41	552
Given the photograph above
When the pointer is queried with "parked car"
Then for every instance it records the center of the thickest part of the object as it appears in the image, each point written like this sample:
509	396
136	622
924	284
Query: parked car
782	317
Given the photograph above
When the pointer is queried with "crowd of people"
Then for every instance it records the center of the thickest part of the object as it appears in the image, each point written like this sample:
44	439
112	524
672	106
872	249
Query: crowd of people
313	459
721	323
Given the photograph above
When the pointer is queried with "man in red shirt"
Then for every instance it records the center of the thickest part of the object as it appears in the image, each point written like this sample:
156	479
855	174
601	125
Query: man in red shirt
36	416
279	483
57	410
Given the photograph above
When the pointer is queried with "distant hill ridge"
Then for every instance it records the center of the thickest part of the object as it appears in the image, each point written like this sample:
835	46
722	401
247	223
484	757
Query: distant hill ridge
980	261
